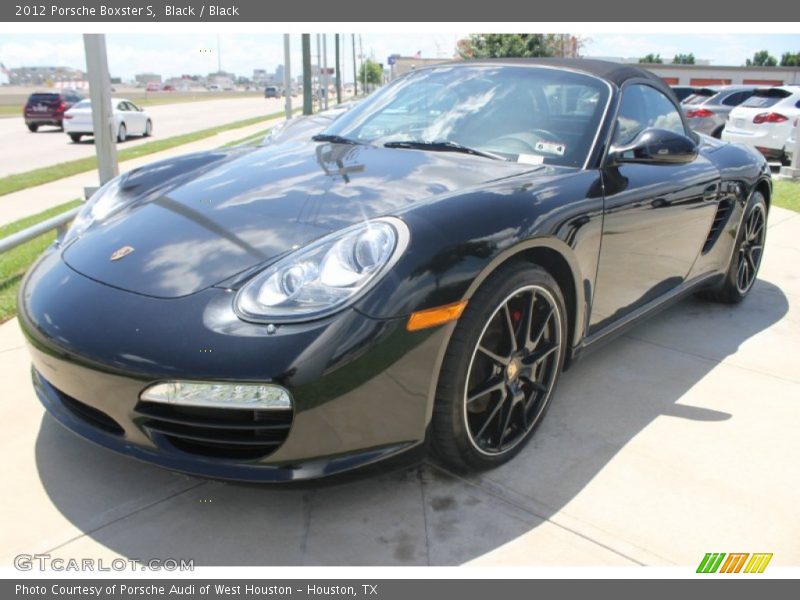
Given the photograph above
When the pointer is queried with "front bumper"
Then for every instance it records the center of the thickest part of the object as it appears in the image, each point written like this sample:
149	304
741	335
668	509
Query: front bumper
362	387
43	120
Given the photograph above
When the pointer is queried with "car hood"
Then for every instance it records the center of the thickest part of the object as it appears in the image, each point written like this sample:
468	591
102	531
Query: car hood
200	219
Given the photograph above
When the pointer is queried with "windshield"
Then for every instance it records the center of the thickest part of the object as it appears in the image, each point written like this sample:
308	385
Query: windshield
526	114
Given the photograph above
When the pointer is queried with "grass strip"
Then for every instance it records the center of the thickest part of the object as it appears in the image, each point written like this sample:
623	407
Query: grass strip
14	263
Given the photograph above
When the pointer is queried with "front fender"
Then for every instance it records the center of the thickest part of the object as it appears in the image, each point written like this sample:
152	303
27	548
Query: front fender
458	241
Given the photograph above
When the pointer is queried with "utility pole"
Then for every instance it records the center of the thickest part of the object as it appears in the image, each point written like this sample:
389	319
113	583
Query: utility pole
307	102
363	64
287	76
319	72
219	55
355	72
338	72
102	115
325	76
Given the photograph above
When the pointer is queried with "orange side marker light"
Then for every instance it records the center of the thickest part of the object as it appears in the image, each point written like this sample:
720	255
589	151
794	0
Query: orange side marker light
435	316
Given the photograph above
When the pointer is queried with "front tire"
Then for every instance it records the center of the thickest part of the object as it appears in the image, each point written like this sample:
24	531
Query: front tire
747	254
148	128
122	133
500	369
75	137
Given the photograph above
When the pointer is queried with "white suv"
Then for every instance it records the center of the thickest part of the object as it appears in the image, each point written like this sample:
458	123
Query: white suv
765	120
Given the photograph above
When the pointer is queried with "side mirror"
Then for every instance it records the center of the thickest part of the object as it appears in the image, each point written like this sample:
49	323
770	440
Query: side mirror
655	146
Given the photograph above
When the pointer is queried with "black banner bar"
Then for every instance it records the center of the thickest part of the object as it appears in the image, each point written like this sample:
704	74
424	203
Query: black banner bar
395	589
389	11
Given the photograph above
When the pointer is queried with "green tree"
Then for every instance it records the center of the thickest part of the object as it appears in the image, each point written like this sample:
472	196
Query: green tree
505	45
373	71
683	59
790	59
762	58
652	59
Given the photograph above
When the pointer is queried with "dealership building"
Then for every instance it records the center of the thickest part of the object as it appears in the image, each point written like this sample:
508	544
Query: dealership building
700	75
673	74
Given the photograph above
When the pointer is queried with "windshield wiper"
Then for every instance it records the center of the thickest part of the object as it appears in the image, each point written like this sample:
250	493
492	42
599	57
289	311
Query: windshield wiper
333	138
442	146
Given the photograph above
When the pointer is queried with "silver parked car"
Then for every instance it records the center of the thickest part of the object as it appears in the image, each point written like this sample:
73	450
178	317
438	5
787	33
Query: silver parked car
708	108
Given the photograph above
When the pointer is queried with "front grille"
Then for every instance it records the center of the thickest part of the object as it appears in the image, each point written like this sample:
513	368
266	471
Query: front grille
720	218
237	434
90	414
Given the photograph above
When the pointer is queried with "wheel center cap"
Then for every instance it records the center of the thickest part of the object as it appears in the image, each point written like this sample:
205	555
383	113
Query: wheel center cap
512	370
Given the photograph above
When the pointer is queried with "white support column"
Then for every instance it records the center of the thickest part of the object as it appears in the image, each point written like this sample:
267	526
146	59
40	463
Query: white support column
287	76
102	114
793	171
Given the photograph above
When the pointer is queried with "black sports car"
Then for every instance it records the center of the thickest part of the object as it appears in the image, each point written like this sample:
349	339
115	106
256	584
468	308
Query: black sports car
418	274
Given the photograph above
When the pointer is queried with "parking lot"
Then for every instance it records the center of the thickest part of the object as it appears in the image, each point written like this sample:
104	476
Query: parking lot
678	439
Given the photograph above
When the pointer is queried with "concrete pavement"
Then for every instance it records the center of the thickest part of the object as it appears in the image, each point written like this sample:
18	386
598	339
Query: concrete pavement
22	150
677	439
36	199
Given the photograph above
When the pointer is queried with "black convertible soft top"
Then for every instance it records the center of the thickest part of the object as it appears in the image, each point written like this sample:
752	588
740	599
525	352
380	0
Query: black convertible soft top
616	73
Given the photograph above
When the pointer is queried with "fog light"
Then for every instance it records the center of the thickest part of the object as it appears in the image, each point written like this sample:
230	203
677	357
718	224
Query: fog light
253	396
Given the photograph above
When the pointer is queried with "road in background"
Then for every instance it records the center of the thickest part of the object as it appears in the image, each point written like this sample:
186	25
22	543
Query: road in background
32	200
21	150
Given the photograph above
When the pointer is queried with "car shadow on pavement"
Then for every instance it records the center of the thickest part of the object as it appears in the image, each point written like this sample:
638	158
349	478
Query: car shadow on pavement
424	514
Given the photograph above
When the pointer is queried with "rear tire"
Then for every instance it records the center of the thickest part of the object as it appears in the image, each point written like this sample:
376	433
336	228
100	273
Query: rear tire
500	369
75	137
122	133
747	254
33	128
717	133
148	128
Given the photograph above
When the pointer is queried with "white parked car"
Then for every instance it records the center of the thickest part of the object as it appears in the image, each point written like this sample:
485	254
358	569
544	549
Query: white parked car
129	119
765	120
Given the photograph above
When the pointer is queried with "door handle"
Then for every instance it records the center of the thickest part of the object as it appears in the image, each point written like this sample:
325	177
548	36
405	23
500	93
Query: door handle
711	193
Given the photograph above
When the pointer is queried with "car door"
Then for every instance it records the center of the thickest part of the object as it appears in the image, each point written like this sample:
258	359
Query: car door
137	117
656	216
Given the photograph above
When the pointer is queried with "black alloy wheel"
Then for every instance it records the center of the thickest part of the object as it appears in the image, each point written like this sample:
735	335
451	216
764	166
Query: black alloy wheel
512	370
747	254
751	248
500	369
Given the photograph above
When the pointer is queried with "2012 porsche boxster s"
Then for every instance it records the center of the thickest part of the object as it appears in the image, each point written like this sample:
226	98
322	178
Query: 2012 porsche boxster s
418	274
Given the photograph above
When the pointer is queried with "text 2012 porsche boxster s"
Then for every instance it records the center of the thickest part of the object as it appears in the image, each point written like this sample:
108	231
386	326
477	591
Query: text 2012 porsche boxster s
418	274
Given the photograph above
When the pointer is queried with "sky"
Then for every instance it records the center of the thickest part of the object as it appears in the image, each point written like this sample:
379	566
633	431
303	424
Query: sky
176	54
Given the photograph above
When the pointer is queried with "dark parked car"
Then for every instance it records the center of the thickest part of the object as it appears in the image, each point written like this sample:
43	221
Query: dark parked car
683	91
418	274
272	91
48	108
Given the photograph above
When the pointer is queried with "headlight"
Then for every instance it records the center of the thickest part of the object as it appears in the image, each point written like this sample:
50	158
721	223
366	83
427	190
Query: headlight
252	396
103	203
325	276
